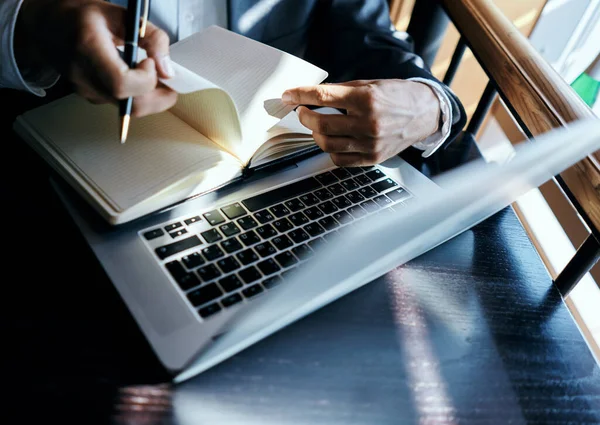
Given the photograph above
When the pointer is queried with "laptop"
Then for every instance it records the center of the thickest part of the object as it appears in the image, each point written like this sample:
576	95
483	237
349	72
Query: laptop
213	275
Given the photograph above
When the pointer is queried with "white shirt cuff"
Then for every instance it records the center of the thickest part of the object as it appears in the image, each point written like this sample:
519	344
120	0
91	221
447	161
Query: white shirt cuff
31	80
437	139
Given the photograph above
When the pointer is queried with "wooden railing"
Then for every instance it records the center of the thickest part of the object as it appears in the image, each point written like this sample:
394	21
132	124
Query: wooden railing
539	100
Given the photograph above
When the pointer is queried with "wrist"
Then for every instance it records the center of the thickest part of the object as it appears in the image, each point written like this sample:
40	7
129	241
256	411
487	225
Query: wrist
430	111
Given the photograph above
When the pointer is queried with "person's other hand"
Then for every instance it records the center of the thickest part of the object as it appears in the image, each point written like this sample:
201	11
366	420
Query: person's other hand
79	39
383	118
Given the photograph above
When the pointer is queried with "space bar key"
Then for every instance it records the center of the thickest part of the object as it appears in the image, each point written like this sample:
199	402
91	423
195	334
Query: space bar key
275	196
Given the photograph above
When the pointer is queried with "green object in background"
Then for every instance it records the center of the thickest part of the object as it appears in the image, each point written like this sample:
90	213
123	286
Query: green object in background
587	88
587	85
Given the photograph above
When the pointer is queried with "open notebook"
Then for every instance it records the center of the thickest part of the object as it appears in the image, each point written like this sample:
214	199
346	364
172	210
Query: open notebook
218	130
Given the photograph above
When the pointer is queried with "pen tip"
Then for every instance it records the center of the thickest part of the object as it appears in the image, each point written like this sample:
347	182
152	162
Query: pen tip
124	128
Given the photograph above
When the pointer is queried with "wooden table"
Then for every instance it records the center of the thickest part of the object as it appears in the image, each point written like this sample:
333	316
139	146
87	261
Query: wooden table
471	332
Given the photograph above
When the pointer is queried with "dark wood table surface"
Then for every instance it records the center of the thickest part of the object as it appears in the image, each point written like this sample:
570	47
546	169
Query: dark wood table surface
470	332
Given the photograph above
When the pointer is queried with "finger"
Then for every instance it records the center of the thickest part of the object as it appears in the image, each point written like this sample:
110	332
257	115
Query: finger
103	59
337	144
86	88
328	124
159	100
356	83
333	95
353	159
156	44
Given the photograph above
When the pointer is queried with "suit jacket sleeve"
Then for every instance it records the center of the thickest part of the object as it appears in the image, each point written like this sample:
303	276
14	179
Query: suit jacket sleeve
355	39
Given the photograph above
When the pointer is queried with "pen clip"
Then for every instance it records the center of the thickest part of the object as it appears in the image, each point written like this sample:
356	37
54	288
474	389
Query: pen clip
145	18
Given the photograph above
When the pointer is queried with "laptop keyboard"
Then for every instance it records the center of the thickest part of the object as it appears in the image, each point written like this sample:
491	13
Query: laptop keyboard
229	255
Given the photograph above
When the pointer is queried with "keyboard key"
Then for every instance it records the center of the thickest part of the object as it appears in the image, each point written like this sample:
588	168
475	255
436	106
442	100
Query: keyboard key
252	291
272	281
341	173
234	211
298	219
283	225
362	180
350	185
250	274
247	256
267	231
229	229
264	216
178	233
211	236
268	267
330	235
184	279
231	245
230	283
204	294
247	223
313	213
356	211
302	251
383	185
231	300
336	189
370	206
249	238
173	226
326	178
153	234
398	195
193	260
328	223
282	242
192	220
281	194
279	210
328	207
286	259
214	217
367	192
354	170
294	205
323	194
383	201
355	197
212	252
375	174
368	167
265	249
309	199
175	247
286	275
343	217
341	202
208	273
314	229
228	264
298	235
209	310
316	243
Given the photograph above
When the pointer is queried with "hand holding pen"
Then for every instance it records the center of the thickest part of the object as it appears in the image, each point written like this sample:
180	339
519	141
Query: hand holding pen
83	49
136	26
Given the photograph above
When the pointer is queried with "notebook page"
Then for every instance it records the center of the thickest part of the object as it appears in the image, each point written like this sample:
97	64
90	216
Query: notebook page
250	72
160	151
203	105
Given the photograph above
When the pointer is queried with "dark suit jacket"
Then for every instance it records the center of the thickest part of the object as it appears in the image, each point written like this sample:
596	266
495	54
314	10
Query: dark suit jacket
350	39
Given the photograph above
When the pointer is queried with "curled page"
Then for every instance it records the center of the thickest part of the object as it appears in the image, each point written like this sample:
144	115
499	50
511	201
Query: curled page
372	248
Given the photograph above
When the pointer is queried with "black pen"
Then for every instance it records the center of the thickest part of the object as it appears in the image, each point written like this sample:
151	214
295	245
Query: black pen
132	34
